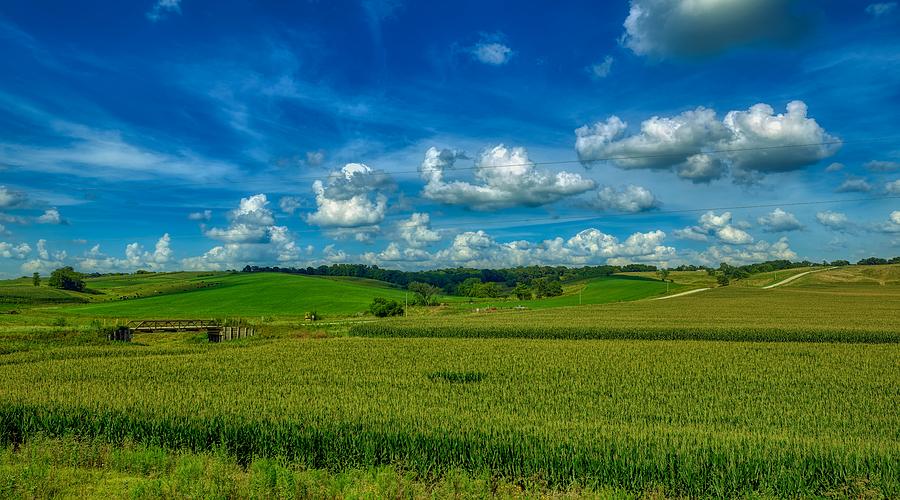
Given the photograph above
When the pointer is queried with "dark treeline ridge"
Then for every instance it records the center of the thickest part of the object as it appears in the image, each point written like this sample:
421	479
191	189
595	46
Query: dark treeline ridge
450	279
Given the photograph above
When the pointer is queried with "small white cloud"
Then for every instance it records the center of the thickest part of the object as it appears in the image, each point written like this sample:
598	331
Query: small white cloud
854	185
205	215
893	187
46	260
162	8
14	251
779	221
895	217
720	226
834	220
416	231
881	8
834	167
50	216
601	70
315	158
630	199
11	199
491	50
290	204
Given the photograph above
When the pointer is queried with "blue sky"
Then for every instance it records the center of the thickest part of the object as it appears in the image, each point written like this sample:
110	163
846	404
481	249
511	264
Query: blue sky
208	135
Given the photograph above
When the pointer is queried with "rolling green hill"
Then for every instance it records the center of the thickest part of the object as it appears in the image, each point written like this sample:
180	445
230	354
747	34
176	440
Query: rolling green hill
603	290
258	294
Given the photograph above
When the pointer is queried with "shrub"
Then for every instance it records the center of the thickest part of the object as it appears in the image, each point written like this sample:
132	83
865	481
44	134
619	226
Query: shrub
383	307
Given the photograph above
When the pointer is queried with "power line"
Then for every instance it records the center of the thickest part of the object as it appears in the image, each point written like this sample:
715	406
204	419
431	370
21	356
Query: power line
338	174
511	223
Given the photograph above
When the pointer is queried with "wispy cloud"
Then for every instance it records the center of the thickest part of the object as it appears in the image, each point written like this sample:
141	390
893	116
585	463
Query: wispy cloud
163	8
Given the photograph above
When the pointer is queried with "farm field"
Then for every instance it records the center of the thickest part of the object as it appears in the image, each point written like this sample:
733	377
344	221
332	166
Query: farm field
794	312
799	418
734	391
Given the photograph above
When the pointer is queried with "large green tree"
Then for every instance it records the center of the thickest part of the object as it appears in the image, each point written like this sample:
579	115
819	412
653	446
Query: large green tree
425	293
67	279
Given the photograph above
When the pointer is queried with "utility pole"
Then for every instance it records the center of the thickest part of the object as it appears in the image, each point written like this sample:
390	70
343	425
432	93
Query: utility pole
406	303
579	296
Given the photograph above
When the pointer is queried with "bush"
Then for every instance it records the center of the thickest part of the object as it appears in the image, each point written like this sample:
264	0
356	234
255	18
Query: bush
383	307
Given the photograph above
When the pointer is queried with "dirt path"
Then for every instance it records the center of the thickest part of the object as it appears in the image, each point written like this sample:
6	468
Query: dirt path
796	276
681	294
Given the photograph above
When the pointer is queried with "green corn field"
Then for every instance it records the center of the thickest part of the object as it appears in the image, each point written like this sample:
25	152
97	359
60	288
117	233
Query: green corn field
693	418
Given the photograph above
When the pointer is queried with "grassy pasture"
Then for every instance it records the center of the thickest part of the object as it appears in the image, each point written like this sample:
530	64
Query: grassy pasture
258	294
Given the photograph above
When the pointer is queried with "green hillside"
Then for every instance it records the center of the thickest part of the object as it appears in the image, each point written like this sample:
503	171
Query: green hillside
603	290
262	294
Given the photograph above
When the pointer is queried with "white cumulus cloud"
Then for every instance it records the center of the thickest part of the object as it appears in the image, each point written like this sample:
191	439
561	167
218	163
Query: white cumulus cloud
779	221
14	251
416	231
50	216
346	200
834	220
204	215
753	143
716	225
507	178
854	185
630	199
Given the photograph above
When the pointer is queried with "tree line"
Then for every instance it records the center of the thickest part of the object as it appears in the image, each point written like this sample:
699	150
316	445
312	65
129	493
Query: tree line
467	282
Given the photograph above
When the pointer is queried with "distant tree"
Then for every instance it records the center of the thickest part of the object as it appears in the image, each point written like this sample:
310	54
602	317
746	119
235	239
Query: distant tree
663	273
840	263
522	291
722	280
469	287
490	289
544	287
425	293
383	307
873	261
67	278
36	279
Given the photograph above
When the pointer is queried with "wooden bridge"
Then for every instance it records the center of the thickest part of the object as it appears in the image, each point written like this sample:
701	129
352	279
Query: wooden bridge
173	325
214	329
